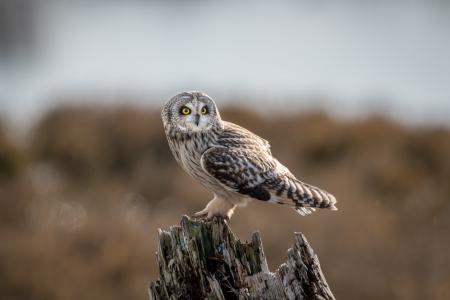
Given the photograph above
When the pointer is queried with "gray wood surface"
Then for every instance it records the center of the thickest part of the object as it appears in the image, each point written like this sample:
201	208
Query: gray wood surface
205	260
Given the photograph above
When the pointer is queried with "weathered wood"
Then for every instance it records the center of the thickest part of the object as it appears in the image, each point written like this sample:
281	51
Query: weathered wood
204	260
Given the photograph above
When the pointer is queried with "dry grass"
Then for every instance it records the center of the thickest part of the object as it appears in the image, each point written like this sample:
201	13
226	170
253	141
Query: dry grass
81	199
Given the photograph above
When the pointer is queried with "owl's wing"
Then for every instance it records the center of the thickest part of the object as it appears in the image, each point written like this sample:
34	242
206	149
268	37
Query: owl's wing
260	176
240	170
235	136
241	161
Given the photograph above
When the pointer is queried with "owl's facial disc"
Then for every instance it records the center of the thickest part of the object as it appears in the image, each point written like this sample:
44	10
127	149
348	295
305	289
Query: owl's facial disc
194	115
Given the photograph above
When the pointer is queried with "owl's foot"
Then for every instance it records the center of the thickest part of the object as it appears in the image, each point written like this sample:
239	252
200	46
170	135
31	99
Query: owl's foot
216	207
200	215
204	216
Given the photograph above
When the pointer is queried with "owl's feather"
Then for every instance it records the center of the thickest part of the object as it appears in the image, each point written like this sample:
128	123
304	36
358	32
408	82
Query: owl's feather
241	161
239	170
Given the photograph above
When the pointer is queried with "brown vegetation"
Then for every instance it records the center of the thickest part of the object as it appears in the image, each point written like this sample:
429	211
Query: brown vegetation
82	197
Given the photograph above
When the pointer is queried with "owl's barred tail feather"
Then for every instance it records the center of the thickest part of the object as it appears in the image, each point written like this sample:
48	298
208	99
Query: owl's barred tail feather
303	197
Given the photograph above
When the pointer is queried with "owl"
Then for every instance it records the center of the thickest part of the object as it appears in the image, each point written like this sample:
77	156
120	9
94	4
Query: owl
233	163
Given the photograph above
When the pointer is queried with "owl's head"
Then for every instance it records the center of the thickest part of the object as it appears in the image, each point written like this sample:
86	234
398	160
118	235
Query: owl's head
190	112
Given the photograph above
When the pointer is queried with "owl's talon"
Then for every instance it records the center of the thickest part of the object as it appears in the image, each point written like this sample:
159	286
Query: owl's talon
200	215
208	215
226	219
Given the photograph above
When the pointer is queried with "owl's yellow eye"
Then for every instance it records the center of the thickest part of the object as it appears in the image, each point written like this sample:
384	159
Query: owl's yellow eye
185	110
204	110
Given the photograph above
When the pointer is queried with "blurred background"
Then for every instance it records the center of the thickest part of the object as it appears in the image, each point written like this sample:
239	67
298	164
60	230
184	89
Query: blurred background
86	176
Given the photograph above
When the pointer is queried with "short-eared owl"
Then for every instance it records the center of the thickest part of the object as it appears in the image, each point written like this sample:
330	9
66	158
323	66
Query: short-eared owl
230	161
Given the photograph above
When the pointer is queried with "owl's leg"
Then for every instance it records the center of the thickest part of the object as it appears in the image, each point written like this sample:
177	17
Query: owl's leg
217	207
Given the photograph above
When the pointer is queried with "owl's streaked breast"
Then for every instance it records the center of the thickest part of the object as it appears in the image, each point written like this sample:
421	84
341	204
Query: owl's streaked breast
188	150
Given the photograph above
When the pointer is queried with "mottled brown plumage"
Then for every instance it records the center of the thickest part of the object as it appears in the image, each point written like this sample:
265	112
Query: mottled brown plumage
232	162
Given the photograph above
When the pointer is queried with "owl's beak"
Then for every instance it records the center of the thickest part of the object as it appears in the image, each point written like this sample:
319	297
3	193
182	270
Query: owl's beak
197	119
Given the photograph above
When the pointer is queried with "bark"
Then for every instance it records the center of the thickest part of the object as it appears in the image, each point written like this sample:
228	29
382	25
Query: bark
205	260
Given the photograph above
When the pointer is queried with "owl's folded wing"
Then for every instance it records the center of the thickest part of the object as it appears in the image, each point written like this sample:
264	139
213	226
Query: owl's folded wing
260	176
240	170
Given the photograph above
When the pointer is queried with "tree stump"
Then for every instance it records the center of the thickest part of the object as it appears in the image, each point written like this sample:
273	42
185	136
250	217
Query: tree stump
205	260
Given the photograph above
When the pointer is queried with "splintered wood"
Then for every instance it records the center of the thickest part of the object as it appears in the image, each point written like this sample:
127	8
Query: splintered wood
204	260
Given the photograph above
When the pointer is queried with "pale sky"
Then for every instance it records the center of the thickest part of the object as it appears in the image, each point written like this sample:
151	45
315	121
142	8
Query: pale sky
391	56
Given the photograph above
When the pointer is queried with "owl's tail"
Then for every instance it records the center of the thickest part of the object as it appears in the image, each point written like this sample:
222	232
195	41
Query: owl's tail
303	197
